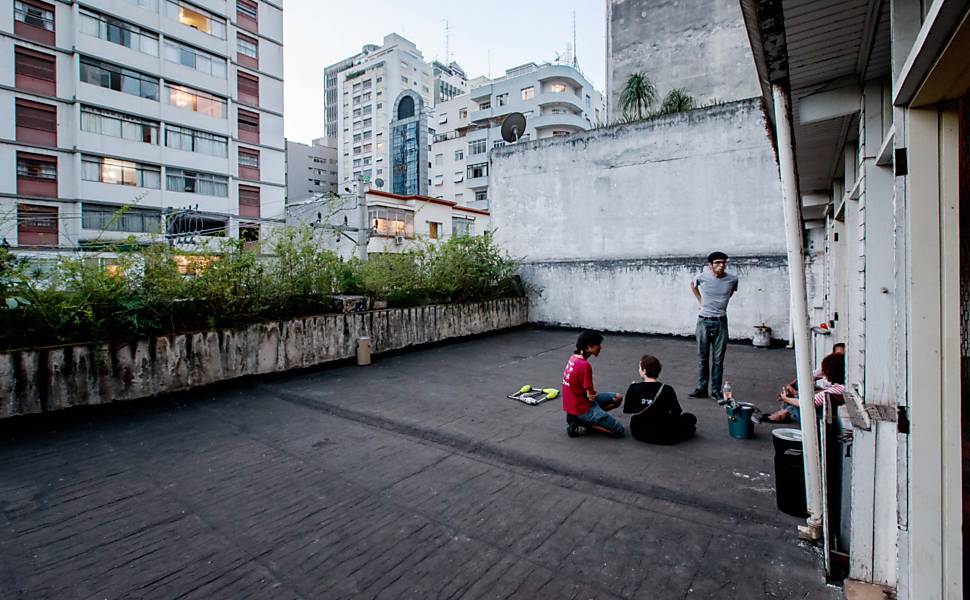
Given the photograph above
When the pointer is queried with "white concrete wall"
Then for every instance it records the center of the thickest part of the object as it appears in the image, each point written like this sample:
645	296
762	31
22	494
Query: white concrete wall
612	223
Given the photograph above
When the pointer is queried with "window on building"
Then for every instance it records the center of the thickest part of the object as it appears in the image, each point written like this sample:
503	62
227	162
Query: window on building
247	15
478	147
462	113
35	71
248	126
248	86
196	101
404	79
439	159
528	93
119	125
358	162
247	51
119	79
459	176
498	144
560	133
193	58
37	225
485	105
196	18
459	197
459	155
558	88
248	201
501	99
479	170
192	140
120	172
249	164
118	32
481	195
34	20
193	182
439	180
391	222
460	226
434	230
365	148
36	175
36	122
104	217
442	118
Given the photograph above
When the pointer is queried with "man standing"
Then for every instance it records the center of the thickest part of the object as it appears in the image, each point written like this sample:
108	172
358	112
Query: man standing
713	289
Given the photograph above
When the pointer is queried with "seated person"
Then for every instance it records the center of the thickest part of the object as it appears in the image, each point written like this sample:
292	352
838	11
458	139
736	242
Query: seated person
585	408
657	417
833	370
820	383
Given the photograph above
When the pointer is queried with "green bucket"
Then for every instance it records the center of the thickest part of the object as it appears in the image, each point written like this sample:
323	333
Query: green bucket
740	425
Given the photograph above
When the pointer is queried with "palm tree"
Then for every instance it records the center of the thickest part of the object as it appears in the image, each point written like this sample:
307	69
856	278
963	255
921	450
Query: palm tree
678	100
637	96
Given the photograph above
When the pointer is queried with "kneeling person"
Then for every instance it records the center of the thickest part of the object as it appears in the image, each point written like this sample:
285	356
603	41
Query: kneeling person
657	416
585	408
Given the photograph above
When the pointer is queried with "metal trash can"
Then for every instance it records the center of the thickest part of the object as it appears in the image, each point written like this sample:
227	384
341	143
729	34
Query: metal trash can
740	425
789	472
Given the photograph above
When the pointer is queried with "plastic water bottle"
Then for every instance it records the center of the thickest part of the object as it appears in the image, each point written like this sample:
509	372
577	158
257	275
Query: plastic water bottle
727	391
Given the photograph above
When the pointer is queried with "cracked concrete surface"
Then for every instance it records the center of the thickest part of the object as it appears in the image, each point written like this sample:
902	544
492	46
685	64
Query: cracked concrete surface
412	478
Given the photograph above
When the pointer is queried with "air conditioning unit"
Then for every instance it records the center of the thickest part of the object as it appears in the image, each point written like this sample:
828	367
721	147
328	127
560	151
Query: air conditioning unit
398	240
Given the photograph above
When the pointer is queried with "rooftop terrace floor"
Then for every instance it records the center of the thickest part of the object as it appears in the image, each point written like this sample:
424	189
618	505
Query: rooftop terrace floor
412	478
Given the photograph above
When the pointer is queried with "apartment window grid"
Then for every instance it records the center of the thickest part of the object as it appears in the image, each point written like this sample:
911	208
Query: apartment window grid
120	172
248	88
247	46
196	101
119	79
103	217
503	99
459	176
247	15
193	140
481	195
248	158
248	125
193	58
462	113
477	147
37	225
391	222
528	93
477	170
34	20
118	32
35	71
196	18
194	182
37	167
461	226
459	155
119	125
249	204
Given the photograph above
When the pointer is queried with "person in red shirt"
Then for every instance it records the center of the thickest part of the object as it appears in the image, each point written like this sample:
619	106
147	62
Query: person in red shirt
585	408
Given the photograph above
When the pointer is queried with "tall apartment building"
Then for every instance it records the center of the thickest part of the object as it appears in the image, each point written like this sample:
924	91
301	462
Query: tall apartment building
311	170
557	100
450	81
163	106
367	93
330	88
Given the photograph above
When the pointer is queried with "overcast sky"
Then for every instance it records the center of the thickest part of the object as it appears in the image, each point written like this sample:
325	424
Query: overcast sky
318	33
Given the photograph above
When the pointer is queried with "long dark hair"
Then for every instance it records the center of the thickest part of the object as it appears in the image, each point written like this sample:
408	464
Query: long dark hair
586	339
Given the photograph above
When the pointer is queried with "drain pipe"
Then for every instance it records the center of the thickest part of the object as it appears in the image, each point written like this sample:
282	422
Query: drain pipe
799	313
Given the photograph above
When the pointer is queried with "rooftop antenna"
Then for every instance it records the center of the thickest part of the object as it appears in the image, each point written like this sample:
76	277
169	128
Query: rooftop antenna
489	63
575	59
447	42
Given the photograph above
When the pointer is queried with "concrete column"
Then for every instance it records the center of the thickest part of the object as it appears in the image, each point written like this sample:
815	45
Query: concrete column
799	310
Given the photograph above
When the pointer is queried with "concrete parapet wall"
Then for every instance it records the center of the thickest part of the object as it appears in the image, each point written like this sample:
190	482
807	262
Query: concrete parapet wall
653	295
51	379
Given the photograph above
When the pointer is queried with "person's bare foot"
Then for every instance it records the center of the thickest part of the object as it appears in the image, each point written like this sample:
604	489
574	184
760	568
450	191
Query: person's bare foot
779	416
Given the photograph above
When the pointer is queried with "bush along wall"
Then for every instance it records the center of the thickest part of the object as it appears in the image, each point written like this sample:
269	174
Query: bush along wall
159	290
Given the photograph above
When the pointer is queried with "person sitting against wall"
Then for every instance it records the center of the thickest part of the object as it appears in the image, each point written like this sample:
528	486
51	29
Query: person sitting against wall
657	416
833	372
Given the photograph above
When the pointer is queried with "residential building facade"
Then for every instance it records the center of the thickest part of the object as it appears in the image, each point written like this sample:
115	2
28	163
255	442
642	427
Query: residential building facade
557	100
311	169
161	106
366	95
870	108
330	88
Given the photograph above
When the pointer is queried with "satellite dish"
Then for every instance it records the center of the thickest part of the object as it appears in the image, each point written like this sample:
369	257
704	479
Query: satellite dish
379	183
513	128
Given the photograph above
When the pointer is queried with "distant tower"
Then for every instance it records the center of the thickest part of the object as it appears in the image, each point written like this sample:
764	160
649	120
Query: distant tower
409	146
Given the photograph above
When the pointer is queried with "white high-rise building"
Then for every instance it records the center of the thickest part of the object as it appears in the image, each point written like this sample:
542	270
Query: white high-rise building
169	108
367	89
311	170
556	99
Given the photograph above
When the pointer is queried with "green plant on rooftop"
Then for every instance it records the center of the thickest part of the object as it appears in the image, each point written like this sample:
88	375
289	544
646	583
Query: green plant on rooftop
637	96
156	289
677	100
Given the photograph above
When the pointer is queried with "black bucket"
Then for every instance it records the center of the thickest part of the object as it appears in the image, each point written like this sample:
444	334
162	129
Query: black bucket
789	472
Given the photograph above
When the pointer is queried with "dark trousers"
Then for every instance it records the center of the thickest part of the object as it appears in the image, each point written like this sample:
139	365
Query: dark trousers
671	431
712	337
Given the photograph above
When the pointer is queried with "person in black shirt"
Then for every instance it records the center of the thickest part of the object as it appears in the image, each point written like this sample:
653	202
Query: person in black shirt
657	416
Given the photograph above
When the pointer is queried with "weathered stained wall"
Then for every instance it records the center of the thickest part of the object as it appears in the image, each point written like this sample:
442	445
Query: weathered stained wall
36	381
699	45
612	223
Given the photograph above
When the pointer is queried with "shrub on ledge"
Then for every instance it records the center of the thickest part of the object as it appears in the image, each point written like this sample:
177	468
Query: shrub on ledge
160	290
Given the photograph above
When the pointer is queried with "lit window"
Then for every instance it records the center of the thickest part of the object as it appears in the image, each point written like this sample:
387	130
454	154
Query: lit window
528	93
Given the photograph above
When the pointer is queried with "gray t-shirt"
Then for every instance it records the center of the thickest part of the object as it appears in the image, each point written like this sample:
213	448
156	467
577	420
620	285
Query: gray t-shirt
715	292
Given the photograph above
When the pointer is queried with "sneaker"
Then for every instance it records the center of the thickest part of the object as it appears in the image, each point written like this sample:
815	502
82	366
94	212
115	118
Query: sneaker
574	431
698	393
719	397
